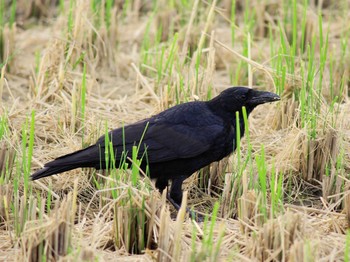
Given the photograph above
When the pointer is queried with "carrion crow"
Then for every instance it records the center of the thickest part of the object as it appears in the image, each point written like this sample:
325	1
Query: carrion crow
174	143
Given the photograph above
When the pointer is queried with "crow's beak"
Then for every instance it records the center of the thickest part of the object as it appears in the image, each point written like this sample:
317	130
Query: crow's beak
262	97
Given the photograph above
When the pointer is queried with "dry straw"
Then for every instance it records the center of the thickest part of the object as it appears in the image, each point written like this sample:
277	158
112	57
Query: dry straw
134	69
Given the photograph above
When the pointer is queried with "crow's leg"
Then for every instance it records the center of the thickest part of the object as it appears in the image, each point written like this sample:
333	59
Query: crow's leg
175	196
161	184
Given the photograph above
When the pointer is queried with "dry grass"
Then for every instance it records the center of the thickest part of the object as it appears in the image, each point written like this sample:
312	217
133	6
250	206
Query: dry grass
134	70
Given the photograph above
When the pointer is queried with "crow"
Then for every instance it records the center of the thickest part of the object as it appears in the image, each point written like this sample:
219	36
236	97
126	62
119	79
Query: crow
173	144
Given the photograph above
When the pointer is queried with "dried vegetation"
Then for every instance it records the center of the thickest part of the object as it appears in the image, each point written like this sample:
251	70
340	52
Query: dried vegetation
72	69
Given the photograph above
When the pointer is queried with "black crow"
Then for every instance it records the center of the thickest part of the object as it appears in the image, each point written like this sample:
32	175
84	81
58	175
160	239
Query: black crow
174	143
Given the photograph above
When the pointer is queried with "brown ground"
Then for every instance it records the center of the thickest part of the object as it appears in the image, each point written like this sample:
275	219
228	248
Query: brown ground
86	223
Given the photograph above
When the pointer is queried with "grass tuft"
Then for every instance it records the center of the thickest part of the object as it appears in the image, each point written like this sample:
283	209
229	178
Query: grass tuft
71	70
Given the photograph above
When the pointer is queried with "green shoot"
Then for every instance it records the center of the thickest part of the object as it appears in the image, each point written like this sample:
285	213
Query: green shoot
233	18
83	104
262	172
347	247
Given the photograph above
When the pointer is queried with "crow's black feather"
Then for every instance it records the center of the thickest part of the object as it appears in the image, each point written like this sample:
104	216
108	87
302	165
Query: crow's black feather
177	141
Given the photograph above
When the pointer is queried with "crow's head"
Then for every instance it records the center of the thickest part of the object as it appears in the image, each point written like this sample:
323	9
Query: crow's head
234	98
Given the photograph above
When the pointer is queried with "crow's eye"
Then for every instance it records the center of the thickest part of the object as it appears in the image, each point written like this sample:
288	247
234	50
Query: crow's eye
243	97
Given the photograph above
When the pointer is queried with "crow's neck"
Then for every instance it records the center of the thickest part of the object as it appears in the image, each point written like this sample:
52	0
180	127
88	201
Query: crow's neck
228	114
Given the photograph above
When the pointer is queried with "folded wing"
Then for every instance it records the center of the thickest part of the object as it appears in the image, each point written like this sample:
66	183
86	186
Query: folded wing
167	138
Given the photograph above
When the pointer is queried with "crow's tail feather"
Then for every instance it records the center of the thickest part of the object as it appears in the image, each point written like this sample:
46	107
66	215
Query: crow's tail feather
51	170
88	157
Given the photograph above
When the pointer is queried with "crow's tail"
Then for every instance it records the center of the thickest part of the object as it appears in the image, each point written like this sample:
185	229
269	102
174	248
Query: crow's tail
88	157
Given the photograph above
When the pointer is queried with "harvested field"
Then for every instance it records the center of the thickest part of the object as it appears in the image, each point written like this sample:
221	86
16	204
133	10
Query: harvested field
71	70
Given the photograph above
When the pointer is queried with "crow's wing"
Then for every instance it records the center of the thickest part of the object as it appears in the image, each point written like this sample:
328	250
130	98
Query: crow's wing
166	142
173	134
